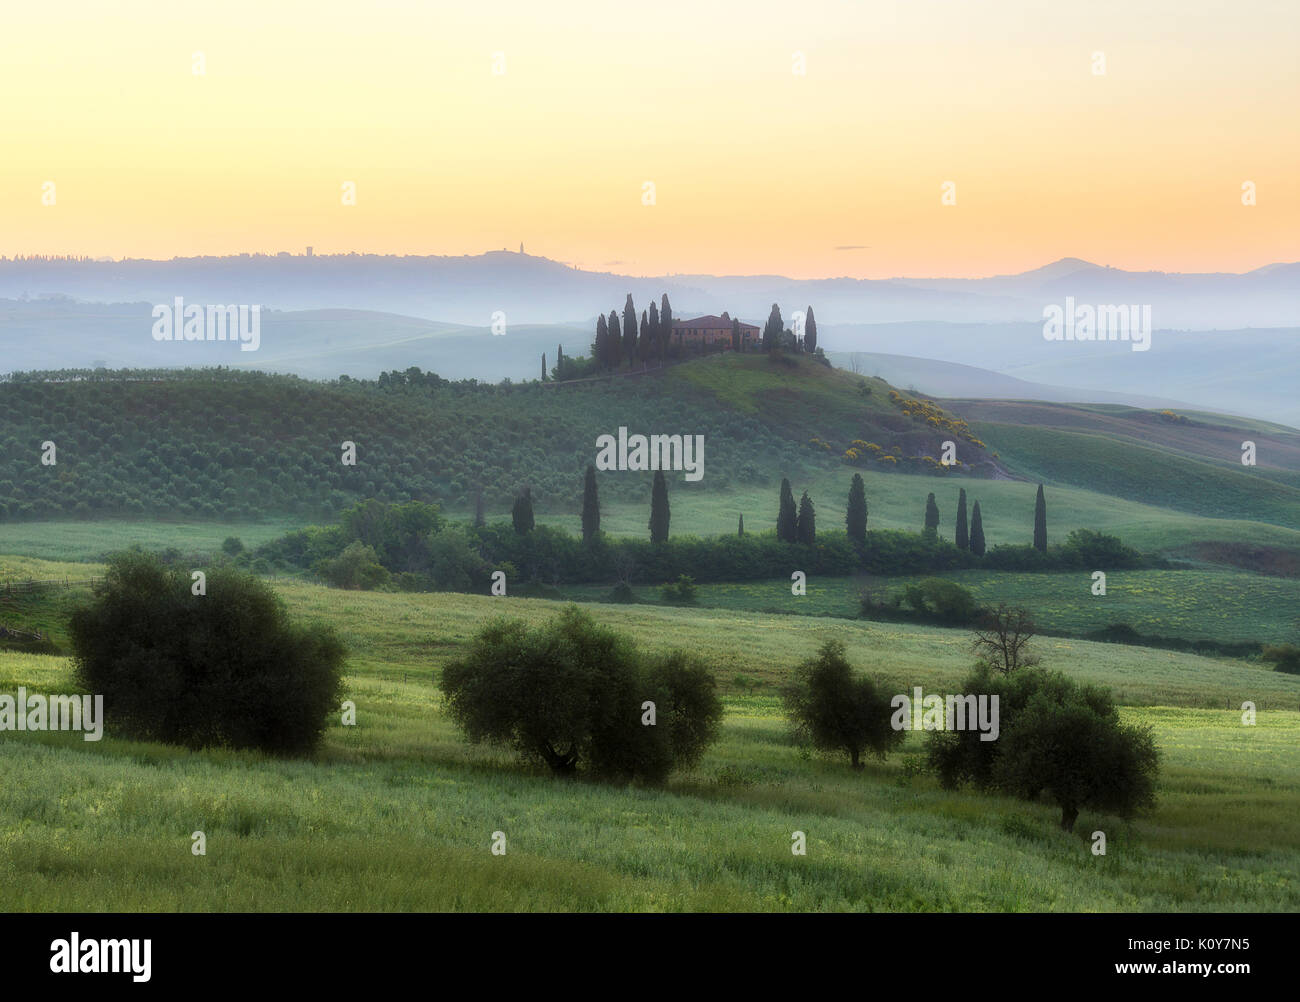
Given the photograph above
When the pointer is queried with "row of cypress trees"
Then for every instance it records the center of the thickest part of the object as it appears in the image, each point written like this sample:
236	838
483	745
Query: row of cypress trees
631	341
524	522
972	539
794	523
774	331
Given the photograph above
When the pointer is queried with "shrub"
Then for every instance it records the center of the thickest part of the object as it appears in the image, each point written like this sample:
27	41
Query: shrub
835	712
456	564
232	546
225	668
1286	657
622	593
357	567
571	694
681	592
1087	549
943	600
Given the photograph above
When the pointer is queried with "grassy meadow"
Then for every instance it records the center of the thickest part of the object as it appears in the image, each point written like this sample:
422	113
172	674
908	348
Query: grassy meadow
1213	604
74	541
397	812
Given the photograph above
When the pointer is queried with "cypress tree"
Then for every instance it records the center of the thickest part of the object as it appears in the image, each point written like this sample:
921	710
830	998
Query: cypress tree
735	334
600	347
522	513
810	333
807	526
480	513
590	506
659	509
963	541
976	531
665	327
855	519
615	341
650	348
787	518
1040	522
931	519
559	361
543	367
629	330
643	343
741	530
772	329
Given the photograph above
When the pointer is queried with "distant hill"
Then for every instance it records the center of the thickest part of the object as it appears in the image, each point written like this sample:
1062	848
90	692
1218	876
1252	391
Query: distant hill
314	344
939	378
1247	372
530	289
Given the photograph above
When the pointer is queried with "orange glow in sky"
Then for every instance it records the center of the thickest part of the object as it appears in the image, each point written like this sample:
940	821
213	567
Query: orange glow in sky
473	127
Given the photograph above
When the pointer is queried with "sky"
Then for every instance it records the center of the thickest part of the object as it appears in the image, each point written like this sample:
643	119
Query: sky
473	127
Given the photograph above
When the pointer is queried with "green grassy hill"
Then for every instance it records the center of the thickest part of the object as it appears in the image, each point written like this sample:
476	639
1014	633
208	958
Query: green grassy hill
182	459
397	813
224	445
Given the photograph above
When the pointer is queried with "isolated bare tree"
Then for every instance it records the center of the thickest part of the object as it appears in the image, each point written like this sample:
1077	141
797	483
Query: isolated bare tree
1002	638
625	567
855	363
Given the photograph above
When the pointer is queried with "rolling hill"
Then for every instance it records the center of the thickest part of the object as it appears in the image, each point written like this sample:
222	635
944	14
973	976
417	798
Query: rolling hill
237	447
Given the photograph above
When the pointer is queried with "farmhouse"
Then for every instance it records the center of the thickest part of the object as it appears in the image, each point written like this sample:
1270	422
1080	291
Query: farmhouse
711	332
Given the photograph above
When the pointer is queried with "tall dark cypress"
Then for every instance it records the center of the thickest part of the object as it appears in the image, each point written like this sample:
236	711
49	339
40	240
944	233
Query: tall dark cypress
643	341
543	367
963	541
522	513
806	530
659	509
741	531
772	329
600	347
629	330
650	347
590	506
615	341
976	531
559	361
480	512
735	333
931	519
665	326
787	517
810	333
1040	521
855	519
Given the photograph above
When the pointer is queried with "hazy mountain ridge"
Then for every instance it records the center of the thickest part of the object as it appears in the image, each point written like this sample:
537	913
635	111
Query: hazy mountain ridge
527	288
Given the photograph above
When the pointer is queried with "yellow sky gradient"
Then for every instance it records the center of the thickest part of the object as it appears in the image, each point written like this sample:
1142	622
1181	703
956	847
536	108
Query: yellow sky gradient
757	169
